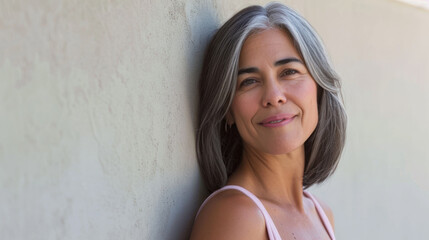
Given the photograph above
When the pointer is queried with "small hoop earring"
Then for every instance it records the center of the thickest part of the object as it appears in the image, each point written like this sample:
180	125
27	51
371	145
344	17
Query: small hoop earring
226	126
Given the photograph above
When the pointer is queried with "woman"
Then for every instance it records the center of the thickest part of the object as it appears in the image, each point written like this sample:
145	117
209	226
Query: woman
271	124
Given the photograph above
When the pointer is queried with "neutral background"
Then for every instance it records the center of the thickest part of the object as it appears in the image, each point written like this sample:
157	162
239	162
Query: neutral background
98	116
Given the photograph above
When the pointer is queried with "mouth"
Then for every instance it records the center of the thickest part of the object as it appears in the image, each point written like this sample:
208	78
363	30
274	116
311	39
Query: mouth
277	120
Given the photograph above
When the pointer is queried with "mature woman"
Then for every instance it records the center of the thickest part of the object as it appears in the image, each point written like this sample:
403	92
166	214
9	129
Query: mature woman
271	124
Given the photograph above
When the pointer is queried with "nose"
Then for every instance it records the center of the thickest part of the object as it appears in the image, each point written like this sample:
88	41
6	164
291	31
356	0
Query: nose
274	94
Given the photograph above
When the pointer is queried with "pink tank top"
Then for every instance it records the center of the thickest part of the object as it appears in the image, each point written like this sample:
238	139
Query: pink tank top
273	234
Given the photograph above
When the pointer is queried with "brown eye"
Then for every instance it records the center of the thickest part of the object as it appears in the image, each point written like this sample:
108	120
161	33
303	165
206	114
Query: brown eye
289	72
247	82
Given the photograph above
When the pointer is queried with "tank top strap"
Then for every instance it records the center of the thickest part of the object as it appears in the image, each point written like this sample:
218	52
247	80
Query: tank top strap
273	234
322	215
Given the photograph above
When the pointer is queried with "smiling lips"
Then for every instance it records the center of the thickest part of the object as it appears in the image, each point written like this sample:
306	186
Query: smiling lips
277	120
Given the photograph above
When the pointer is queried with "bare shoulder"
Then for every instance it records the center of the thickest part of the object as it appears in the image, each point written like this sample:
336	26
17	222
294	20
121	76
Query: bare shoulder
327	210
229	215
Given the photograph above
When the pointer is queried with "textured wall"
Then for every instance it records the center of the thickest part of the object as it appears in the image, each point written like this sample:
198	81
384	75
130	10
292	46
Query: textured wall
381	50
98	117
98	99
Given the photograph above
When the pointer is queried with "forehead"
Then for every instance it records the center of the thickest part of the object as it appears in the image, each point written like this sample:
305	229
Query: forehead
271	44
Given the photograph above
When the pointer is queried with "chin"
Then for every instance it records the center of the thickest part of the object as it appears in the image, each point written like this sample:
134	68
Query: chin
280	149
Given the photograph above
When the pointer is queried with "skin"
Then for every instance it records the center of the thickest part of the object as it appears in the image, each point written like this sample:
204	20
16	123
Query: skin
272	166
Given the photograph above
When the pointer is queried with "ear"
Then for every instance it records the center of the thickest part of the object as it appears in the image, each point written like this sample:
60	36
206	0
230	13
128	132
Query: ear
229	118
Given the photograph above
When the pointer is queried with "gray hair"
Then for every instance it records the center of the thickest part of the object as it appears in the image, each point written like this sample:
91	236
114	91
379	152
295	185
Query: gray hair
218	151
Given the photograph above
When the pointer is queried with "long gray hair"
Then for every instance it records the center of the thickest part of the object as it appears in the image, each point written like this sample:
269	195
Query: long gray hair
218	151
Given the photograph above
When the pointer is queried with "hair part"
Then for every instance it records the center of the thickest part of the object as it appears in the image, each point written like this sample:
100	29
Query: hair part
219	151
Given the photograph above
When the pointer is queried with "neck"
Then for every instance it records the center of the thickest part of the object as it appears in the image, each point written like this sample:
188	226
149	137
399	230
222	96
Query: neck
275	178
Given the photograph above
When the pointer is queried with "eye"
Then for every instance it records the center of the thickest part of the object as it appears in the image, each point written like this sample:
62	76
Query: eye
288	72
247	82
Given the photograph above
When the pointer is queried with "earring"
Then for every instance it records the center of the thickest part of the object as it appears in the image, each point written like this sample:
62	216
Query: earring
226	126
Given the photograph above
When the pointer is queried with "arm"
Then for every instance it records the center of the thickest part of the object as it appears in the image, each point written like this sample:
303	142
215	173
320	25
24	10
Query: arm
229	215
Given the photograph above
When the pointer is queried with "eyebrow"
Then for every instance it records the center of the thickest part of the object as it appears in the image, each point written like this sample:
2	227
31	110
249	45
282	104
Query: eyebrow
287	60
277	63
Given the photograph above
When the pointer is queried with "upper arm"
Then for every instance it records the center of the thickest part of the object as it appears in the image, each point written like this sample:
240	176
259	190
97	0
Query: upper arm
229	215
328	213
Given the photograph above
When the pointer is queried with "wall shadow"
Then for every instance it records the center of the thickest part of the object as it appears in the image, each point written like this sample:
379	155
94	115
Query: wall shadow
202	22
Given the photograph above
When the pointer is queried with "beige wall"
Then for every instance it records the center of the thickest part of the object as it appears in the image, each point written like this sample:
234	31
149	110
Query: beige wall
380	48
98	98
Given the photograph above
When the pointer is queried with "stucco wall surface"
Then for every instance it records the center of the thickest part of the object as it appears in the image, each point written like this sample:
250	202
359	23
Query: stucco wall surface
380	48
97	103
98	116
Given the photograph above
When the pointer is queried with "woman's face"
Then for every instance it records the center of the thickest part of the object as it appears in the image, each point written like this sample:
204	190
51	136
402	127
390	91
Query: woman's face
275	104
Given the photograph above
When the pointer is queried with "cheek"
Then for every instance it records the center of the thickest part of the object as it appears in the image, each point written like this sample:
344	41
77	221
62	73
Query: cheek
313	107
309	96
242	109
315	117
